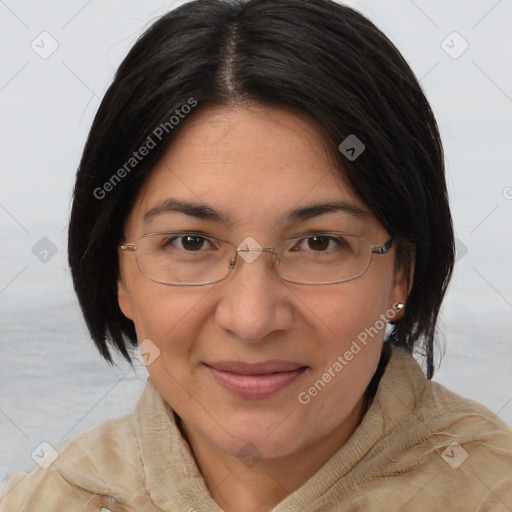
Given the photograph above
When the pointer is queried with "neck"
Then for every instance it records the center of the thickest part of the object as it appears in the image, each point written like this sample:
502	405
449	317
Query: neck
261	484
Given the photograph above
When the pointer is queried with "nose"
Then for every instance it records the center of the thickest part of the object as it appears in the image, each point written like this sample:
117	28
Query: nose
254	302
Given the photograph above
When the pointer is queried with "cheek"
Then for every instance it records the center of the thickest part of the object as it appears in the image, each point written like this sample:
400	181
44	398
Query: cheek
344	311
169	316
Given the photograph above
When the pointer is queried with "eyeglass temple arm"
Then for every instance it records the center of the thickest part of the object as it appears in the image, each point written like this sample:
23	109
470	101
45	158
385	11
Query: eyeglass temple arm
383	249
130	248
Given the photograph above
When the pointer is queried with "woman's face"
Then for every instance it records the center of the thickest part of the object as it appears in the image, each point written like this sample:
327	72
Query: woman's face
254	359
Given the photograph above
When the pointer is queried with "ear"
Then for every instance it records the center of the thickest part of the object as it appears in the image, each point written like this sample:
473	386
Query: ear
401	289
124	299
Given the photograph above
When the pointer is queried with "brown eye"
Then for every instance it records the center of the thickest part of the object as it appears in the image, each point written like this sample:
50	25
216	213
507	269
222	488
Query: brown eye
318	243
186	243
192	242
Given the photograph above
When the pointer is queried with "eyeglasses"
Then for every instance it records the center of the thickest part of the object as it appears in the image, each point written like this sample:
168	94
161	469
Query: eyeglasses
196	259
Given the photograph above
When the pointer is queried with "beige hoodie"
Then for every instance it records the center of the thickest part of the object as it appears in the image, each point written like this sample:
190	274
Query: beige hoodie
419	448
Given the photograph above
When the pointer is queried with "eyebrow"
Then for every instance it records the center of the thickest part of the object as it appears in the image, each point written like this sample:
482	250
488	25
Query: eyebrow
205	212
317	209
198	211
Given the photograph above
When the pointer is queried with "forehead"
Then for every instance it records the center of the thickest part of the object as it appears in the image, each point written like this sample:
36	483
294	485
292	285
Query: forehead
247	162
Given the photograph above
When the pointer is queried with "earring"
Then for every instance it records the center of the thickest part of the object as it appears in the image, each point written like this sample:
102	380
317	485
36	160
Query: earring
399	306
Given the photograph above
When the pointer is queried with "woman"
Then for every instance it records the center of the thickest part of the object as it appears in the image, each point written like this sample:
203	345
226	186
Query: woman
261	207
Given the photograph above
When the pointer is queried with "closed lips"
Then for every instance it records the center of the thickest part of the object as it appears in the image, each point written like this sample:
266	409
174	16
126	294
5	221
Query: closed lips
255	380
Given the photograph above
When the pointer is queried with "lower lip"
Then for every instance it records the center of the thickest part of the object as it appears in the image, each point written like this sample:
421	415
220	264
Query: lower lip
255	386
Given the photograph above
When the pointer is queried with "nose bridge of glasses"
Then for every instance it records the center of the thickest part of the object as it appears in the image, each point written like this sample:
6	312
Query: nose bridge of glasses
250	250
